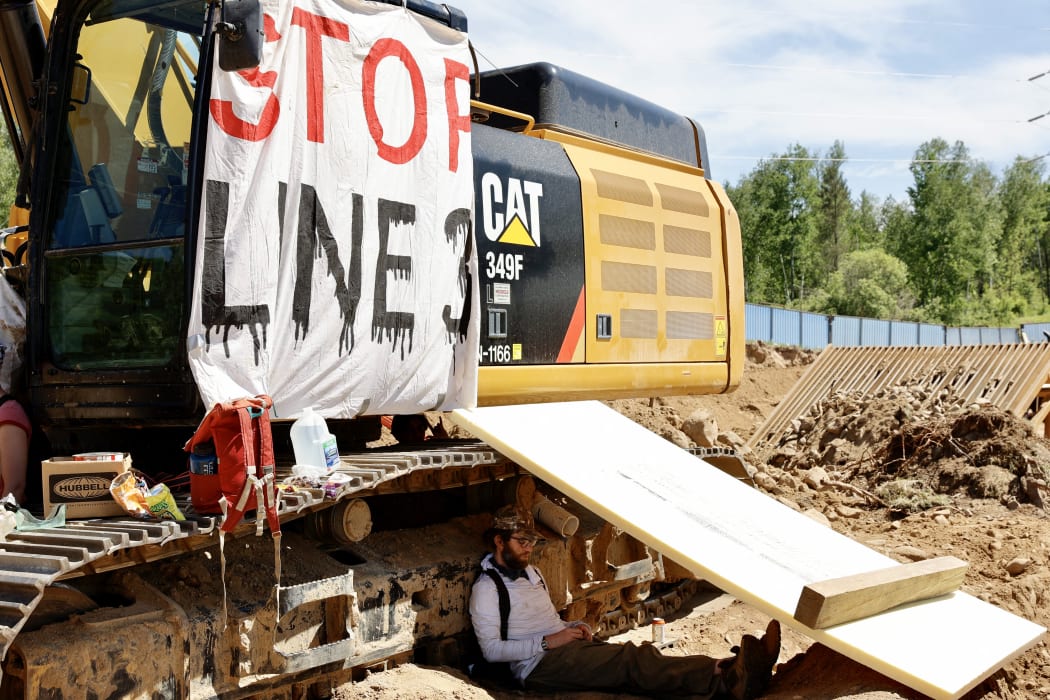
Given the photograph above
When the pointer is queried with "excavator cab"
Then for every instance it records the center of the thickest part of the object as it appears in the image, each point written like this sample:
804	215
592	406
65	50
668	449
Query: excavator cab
114	257
112	157
109	210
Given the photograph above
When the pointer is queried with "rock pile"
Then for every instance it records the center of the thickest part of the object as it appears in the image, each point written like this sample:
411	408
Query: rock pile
906	448
760	354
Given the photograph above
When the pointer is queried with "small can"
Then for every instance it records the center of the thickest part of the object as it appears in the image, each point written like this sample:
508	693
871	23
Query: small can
658	630
99	457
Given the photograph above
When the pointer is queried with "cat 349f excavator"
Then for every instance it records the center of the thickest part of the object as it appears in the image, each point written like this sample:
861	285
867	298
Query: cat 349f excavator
327	202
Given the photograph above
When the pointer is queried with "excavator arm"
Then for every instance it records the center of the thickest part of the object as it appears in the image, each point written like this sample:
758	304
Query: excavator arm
22	51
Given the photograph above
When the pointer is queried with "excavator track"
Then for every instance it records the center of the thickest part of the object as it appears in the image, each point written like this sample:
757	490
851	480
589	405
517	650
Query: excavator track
379	612
34	559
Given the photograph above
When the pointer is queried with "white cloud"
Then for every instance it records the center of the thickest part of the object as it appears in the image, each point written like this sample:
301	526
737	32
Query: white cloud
882	77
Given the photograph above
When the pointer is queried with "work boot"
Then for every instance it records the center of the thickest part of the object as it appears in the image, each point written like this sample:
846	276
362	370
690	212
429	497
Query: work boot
747	676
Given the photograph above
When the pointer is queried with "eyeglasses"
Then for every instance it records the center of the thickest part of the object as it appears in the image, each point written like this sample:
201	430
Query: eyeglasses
527	542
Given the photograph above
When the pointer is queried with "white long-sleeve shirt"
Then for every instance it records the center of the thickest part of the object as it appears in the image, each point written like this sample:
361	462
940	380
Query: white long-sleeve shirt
532	617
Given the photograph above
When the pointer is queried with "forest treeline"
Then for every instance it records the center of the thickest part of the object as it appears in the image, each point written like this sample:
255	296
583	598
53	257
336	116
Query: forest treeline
965	248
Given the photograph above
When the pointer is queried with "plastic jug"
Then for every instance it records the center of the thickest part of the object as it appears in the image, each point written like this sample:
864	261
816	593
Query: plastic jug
314	446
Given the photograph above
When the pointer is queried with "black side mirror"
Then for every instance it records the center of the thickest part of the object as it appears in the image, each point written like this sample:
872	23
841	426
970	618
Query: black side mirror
241	35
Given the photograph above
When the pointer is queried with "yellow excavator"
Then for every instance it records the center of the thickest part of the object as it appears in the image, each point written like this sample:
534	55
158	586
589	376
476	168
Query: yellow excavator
608	265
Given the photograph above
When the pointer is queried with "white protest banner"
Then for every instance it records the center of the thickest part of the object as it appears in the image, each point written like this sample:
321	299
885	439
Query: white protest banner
335	267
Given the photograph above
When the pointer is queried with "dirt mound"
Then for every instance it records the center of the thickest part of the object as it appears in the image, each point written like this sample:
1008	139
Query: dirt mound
763	355
909	451
769	373
917	475
411	682
982	453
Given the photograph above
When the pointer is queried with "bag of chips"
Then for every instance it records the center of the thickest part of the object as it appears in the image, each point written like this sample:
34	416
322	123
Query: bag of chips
141	500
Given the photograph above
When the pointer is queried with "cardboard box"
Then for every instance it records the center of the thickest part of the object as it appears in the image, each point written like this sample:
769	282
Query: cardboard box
82	485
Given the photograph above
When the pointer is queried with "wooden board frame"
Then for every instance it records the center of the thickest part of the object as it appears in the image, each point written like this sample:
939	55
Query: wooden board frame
836	601
746	543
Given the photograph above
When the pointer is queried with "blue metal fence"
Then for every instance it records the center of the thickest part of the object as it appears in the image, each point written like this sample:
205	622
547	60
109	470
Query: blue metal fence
1036	332
845	330
781	326
786	328
815	329
904	334
930	334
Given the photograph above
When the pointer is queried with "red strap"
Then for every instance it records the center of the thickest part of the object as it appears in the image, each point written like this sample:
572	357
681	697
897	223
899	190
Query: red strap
234	514
266	459
258	447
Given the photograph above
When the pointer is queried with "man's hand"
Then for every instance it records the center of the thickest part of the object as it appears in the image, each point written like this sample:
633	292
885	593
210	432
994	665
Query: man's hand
567	635
587	633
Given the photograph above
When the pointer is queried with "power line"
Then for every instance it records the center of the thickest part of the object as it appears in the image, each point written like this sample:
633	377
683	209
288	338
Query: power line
834	115
869	19
815	159
1041	125
873	73
875	19
1044	114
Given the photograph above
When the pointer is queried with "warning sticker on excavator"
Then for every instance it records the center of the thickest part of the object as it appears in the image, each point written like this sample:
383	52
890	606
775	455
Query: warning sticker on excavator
745	542
721	336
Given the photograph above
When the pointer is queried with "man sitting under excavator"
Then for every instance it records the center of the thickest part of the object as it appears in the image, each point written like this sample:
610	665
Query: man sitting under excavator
547	653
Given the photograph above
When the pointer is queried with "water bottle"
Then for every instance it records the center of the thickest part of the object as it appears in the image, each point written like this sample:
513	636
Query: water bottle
205	484
313	445
203	459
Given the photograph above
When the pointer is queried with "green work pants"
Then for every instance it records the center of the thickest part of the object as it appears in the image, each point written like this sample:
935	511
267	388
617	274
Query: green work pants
582	665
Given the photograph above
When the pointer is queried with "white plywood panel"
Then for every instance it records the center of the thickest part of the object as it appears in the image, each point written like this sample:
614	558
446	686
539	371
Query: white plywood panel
745	542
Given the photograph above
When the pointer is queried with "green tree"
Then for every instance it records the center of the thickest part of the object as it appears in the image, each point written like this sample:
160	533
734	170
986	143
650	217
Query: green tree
1023	197
836	209
778	203
1041	253
864	229
869	283
8	176
950	242
896	221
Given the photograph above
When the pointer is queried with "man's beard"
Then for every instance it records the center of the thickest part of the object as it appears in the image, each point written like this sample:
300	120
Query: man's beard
515	561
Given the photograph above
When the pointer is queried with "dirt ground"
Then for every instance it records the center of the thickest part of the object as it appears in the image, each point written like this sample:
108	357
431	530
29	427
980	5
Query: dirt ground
908	480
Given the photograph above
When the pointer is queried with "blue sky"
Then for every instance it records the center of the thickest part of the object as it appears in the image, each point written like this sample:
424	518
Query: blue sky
882	76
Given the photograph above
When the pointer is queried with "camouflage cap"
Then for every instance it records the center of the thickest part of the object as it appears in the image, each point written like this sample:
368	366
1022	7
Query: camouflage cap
516	520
